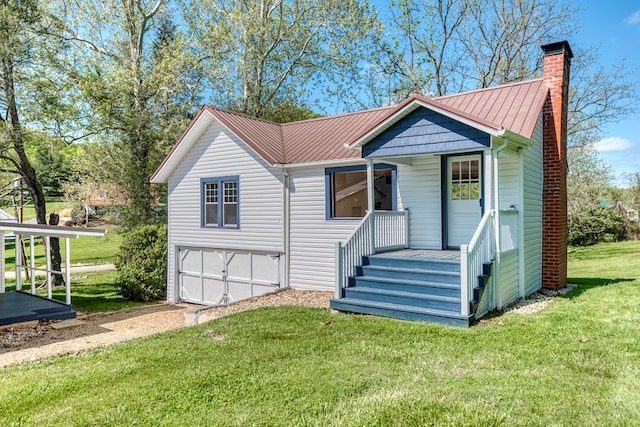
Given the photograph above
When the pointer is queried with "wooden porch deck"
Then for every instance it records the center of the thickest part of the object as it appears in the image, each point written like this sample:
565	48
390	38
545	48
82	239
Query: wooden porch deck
18	307
430	254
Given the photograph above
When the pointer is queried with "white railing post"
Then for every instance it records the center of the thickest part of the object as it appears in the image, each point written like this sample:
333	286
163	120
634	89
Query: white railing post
464	276
406	228
339	268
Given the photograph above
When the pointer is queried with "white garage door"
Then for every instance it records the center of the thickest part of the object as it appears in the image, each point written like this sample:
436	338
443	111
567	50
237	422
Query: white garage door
214	276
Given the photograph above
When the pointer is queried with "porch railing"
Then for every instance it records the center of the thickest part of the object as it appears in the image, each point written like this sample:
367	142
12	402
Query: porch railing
481	249
378	231
391	230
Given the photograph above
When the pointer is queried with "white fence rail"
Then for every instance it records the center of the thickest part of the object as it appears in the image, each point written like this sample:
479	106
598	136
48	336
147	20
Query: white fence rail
472	257
377	231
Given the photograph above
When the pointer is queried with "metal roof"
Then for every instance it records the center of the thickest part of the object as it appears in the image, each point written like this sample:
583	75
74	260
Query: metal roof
513	107
50	230
328	138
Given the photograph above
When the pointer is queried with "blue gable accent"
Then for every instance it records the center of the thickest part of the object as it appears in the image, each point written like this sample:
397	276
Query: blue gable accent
424	132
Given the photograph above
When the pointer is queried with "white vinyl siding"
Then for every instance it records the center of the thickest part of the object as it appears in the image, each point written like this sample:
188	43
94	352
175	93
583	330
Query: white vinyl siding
219	153
532	212
509	273
508	170
313	237
419	190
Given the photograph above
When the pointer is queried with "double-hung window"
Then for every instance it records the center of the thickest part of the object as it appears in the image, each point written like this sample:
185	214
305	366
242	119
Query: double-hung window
346	190
220	202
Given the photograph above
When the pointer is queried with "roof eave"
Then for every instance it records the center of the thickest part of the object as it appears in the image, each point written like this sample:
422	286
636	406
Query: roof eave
162	173
519	140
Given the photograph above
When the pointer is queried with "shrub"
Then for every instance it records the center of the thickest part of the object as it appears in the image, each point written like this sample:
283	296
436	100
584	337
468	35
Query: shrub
595	225
142	263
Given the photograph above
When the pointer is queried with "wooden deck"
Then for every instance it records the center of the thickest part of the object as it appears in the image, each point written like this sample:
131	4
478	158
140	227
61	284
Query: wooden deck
449	255
18	307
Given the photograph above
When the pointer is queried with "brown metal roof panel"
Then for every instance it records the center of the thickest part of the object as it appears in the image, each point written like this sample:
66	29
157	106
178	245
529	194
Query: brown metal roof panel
265	138
325	138
514	106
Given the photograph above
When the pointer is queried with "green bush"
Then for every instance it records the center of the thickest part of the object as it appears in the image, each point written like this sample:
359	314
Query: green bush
142	263
595	225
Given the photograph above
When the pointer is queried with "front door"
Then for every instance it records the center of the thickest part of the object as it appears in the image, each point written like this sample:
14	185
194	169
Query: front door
464	192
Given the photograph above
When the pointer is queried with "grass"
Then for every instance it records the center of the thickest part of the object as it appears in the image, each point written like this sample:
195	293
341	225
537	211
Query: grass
574	363
29	211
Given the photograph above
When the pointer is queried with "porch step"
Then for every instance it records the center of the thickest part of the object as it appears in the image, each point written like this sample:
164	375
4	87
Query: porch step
406	287
400	311
415	286
422	300
407	273
420	263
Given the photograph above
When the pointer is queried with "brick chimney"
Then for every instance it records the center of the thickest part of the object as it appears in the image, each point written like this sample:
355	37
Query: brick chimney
557	61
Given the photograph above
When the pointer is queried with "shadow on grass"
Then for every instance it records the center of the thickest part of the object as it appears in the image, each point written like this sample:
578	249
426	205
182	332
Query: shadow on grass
586	283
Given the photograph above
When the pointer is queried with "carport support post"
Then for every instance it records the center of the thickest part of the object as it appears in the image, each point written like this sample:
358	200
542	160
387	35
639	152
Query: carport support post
32	263
2	263
48	252
18	242
67	269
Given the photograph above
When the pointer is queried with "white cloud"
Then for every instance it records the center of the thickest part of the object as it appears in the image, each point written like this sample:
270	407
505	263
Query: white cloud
614	143
633	19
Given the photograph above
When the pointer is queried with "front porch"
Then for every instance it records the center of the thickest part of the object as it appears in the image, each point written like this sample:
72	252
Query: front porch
378	273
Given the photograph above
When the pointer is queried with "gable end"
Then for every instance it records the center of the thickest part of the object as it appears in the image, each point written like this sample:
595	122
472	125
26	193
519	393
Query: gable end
424	131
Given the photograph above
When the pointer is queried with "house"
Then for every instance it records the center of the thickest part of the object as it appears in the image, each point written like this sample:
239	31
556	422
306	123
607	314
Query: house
434	209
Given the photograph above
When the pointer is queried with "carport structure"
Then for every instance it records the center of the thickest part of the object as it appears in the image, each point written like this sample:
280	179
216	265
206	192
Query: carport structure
22	306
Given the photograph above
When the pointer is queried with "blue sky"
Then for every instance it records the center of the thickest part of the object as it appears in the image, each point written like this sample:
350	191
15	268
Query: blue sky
614	28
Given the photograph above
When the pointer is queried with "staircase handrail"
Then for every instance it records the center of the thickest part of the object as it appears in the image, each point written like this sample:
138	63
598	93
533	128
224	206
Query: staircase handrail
472	256
348	255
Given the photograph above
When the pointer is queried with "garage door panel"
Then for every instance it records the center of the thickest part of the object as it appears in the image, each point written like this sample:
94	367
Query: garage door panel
213	290
239	291
191	261
212	263
262	289
239	266
265	268
191	288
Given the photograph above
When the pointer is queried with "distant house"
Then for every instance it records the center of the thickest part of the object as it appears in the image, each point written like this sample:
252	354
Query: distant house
433	209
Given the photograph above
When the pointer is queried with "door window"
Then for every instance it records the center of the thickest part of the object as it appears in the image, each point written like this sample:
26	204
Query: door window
465	180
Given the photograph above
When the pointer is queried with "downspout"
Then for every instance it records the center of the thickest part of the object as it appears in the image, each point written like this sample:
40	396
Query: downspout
286	223
496	219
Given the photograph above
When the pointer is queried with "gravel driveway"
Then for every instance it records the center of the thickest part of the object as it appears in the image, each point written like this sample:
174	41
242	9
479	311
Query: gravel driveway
34	343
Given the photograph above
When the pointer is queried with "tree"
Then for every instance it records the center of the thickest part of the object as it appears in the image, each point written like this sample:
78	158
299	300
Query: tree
140	91
18	21
262	54
23	50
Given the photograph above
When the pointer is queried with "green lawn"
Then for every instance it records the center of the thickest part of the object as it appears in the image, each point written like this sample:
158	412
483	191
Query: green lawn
576	363
52	206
